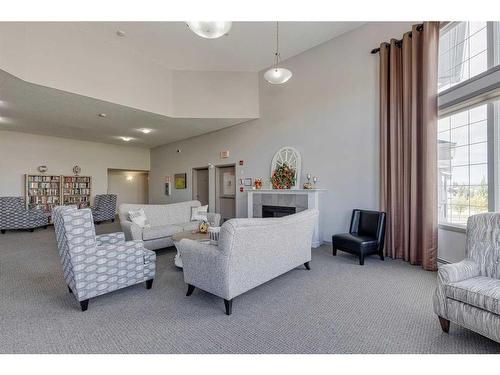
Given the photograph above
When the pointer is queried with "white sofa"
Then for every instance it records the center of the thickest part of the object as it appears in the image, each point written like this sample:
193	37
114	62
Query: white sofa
250	252
165	221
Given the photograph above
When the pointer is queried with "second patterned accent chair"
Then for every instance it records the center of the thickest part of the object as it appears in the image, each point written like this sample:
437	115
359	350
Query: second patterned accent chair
14	215
468	292
95	265
104	207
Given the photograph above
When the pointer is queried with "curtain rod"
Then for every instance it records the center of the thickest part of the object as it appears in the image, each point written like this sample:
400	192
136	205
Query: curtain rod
420	27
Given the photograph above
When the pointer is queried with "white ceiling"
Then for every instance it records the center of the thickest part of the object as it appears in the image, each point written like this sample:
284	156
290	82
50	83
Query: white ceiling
30	108
249	46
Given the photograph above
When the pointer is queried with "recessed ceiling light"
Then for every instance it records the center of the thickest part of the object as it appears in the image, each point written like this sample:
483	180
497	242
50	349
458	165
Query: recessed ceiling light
120	33
146	130
126	139
102	115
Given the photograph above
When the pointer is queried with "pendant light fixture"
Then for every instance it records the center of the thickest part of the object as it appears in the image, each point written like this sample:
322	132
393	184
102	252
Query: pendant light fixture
277	75
209	29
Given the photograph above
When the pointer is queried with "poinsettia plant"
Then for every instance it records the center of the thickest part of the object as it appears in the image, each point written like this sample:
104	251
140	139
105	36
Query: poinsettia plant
283	176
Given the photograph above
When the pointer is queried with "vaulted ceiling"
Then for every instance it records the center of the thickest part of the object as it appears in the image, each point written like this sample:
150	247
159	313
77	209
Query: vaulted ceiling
57	77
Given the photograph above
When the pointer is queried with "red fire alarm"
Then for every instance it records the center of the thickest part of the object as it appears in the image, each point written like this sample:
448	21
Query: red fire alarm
241	189
241	162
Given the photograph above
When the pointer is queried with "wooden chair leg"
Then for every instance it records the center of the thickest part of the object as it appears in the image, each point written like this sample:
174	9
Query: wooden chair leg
190	290
445	324
361	259
229	306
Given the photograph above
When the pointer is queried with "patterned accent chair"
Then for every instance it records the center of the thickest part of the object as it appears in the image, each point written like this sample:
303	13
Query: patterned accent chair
468	292
95	265
14	215
104	207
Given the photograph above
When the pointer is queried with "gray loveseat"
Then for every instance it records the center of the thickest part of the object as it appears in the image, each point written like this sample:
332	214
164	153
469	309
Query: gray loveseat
468	292
250	252
165	220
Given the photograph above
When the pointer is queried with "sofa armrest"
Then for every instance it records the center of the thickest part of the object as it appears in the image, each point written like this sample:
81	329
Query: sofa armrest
132	231
110	238
205	267
214	219
452	273
197	251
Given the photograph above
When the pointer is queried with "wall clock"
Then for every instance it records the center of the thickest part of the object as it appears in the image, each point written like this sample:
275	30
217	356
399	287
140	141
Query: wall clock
42	168
77	170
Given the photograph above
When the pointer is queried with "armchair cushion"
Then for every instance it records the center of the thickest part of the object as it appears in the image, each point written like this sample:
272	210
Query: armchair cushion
482	292
160	231
354	242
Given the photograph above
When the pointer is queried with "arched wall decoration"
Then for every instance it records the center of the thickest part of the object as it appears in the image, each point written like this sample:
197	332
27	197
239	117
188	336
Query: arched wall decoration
290	156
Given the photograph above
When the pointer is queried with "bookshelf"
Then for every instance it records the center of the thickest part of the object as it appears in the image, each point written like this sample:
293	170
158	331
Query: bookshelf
42	192
76	190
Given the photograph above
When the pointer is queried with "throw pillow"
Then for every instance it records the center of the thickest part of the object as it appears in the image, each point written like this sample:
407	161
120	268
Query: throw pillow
199	213
139	217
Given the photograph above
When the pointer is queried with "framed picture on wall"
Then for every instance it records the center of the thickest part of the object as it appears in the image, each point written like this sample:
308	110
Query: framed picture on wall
180	180
247	181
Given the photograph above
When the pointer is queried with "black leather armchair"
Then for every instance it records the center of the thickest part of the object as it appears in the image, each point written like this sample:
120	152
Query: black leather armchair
366	235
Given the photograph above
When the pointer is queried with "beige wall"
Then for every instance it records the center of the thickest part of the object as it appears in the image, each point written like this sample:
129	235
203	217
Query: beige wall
22	153
328	111
129	186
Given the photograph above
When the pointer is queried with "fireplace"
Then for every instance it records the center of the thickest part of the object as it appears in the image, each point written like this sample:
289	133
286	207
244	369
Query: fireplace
277	211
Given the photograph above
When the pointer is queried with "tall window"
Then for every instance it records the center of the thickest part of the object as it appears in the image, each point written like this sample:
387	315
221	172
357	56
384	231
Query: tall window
463	165
463	52
468	128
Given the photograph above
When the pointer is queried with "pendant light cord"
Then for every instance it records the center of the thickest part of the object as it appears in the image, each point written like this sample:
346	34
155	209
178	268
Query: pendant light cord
277	54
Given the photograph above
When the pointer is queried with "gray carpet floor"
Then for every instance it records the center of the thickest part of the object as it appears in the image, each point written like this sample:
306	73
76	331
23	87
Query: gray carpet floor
337	307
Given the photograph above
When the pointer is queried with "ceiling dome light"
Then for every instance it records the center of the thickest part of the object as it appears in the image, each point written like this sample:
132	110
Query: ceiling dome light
126	139
277	75
146	130
209	29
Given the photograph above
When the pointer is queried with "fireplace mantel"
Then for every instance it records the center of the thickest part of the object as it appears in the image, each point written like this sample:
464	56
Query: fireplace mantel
284	191
302	199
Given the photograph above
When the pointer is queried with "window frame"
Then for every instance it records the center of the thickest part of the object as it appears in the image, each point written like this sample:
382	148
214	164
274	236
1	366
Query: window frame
473	92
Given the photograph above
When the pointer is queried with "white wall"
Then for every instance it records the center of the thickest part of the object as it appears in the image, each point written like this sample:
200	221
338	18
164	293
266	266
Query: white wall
22	153
69	57
129	186
328	111
451	245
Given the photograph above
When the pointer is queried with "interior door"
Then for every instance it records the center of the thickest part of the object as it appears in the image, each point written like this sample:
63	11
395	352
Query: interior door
226	192
202	186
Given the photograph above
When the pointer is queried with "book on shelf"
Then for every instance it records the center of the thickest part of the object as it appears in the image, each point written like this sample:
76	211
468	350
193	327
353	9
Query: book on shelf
45	192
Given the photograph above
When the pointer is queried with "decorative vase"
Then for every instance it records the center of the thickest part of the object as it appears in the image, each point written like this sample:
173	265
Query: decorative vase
258	183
